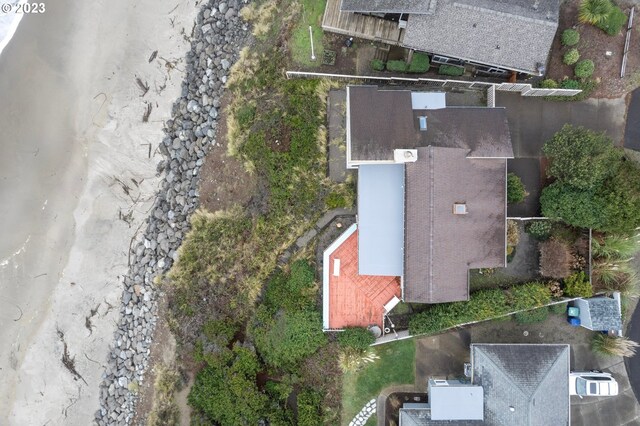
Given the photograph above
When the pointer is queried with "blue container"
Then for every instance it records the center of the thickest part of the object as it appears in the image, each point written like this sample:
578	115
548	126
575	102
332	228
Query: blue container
574	321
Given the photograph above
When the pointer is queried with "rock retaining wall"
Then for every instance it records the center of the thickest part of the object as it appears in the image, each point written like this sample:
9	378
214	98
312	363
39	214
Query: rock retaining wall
218	36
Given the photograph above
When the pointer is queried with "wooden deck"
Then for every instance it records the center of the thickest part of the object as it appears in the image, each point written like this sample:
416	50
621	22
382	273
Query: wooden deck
360	26
356	300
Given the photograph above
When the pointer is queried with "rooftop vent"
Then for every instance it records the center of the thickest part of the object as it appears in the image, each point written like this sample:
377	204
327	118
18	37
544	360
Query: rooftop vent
405	155
459	208
423	123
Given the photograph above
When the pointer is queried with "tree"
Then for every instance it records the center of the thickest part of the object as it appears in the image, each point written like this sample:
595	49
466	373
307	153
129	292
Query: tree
579	208
288	338
225	390
516	192
580	157
621	196
594	11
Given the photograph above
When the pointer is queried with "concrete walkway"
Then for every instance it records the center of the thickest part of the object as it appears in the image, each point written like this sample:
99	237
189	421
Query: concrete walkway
533	120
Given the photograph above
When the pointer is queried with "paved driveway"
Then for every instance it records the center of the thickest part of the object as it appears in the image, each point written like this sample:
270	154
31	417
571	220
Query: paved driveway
632	133
533	120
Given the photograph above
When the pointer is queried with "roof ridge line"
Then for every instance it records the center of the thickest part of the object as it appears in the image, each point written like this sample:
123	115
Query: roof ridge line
431	202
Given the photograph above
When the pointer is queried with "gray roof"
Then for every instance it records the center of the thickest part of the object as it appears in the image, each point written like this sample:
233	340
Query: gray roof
381	121
524	385
456	402
380	219
389	6
440	247
509	34
605	314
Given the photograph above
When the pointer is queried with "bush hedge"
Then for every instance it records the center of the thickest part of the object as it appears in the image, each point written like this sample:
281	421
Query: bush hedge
397	66
558	309
539	229
570	84
571	57
450	70
570	37
356	337
516	192
584	69
532	316
549	83
577	285
377	65
419	63
483	305
614	21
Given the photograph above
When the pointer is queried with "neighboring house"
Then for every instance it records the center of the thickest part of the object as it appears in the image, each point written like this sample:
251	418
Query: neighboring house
496	36
511	384
601	313
431	201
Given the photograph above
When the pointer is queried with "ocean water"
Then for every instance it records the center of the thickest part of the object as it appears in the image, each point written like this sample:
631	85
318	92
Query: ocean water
9	21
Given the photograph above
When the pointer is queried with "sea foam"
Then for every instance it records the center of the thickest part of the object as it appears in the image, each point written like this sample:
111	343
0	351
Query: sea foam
9	22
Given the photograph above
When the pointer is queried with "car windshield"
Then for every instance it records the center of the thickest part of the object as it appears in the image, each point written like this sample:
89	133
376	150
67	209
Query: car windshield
581	386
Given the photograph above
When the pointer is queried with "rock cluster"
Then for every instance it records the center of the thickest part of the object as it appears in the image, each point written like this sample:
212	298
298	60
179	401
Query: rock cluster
218	36
367	411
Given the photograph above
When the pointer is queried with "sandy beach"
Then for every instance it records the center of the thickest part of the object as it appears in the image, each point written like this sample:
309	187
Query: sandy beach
77	178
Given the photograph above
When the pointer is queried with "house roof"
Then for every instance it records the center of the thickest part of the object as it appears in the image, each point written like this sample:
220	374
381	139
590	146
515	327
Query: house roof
381	121
605	313
381	219
389	6
511	34
440	246
524	384
456	402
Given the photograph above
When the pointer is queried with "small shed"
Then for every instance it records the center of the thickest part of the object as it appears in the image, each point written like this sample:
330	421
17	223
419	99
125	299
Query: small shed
600	313
454	400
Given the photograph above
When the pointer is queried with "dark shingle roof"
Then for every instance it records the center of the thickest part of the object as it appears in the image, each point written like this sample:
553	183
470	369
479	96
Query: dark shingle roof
440	247
383	120
509	34
605	313
389	6
523	384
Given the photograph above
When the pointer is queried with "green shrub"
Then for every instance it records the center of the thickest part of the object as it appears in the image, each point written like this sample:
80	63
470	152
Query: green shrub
309	408
532	316
377	65
397	66
570	37
558	309
220	332
516	192
549	83
292	291
539	229
356	338
245	115
570	84
571	57
577	285
613	22
419	63
483	305
227	379
451	70
288	338
584	69
594	11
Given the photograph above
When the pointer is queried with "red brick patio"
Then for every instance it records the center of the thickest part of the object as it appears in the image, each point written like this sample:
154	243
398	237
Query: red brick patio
356	300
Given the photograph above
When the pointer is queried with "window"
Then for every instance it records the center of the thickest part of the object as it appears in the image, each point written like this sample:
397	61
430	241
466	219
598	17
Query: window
437	59
593	388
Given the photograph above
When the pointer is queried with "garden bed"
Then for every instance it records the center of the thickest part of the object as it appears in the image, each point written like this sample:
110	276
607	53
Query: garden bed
592	45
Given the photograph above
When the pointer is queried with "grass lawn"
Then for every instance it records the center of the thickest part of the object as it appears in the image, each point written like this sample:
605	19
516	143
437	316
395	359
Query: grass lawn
312	11
396	366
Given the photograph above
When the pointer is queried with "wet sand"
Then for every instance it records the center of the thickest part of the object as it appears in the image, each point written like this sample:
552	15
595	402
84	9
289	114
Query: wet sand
76	182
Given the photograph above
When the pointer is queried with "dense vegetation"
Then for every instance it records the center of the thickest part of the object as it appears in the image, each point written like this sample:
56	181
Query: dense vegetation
595	186
516	192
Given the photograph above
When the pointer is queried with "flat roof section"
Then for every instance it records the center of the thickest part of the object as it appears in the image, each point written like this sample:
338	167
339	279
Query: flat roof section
428	100
456	402
354	300
381	219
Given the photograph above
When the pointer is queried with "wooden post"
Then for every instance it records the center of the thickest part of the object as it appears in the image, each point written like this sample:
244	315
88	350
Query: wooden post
410	56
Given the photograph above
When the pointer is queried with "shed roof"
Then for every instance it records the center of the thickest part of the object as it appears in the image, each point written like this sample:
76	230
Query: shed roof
440	246
512	34
451	402
381	219
605	313
524	384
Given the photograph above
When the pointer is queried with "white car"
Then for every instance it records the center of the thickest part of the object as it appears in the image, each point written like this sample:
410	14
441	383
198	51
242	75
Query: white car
592	383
